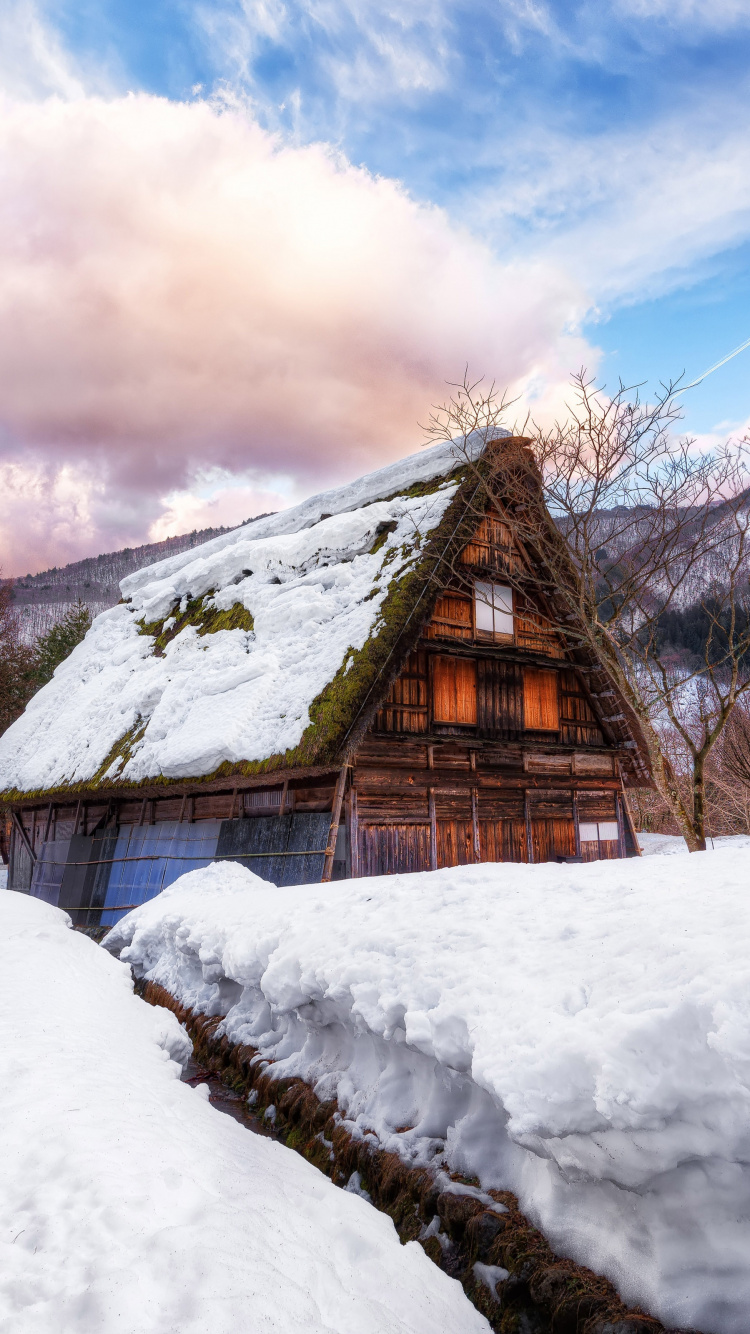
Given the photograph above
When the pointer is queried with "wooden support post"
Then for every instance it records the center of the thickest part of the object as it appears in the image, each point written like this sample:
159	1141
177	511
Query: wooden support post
353	834
529	835
142	815
628	821
475	825
49	822
24	836
85	822
182	810
191	810
77	816
233	805
284	796
338	798
430	757
620	826
576	825
433	829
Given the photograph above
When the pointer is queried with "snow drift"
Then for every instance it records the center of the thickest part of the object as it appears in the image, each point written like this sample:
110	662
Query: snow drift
577	1034
128	1203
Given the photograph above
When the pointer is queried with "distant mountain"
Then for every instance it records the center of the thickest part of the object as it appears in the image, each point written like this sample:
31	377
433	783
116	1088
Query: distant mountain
42	599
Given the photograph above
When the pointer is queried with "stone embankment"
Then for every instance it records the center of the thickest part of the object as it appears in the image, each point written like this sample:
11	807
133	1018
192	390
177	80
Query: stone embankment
506	1267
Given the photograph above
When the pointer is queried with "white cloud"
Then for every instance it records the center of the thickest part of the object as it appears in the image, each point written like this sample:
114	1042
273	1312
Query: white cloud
179	291
716	14
631	212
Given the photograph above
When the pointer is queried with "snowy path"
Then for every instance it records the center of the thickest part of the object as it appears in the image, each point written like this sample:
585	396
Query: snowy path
128	1205
577	1034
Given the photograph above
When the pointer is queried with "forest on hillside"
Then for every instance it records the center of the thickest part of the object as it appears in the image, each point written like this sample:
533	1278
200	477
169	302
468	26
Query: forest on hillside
40	601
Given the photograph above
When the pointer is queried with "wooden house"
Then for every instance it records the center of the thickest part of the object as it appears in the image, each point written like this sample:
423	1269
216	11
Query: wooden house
355	687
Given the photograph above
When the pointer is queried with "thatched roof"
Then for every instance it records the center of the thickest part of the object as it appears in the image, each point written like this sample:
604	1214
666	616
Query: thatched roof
251	653
264	650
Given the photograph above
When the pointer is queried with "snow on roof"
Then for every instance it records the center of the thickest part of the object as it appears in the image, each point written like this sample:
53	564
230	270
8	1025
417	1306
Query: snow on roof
576	1034
220	656
130	1203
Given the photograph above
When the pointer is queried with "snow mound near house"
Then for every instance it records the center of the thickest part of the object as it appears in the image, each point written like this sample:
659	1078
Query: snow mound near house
579	1034
128	1203
313	579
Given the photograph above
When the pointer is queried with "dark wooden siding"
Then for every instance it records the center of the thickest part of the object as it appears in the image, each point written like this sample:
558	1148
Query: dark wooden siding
578	725
499	699
405	706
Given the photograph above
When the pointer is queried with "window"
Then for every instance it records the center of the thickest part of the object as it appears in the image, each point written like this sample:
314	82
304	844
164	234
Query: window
493	609
606	831
540	707
454	691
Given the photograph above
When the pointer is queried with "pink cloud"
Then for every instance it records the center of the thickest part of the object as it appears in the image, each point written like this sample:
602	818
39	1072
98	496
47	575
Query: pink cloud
179	291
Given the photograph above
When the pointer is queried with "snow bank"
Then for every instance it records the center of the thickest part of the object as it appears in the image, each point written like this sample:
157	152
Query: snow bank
578	1034
314	588
129	1204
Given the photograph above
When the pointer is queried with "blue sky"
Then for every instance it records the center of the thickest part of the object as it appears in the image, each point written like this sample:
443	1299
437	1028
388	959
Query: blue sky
594	156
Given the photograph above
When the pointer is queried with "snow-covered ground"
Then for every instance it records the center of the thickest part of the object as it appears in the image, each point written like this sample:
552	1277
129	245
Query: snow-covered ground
664	845
579	1034
128	1205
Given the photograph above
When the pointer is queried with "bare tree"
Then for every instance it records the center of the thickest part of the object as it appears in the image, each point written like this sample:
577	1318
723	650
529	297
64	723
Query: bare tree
620	525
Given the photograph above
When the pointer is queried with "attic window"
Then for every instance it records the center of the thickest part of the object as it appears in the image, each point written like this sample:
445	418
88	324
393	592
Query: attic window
493	609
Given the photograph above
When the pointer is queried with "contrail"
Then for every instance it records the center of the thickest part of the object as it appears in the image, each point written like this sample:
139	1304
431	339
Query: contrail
716	366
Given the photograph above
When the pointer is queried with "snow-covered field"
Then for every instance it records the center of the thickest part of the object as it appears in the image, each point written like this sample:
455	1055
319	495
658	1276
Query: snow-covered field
128	1205
665	845
579	1034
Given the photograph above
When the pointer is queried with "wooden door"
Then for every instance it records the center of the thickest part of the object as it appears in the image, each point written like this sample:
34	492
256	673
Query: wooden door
389	849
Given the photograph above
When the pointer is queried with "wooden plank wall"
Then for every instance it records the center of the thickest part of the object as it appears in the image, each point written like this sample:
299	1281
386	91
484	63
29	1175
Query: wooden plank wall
447	803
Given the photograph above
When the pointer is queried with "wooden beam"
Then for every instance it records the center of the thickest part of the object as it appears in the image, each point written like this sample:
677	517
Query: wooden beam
576	824
475	826
338	798
353	834
529	835
628	814
433	829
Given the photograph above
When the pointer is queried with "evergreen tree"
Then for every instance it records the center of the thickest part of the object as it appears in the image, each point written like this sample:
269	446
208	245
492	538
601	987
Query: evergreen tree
54	647
17	663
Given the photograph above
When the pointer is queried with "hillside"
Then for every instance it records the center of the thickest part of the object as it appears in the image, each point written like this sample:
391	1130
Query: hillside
42	599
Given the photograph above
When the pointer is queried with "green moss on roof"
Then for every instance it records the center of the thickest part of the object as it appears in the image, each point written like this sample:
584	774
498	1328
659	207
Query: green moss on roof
122	751
199	612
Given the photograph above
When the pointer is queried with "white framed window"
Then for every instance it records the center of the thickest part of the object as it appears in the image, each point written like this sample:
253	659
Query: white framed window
493	608
605	831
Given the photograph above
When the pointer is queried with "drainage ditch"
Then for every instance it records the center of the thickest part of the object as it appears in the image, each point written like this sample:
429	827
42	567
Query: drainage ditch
505	1265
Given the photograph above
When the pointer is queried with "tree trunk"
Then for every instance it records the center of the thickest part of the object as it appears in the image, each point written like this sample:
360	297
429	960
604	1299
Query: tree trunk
699	803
